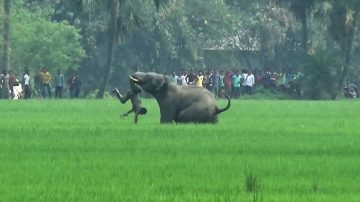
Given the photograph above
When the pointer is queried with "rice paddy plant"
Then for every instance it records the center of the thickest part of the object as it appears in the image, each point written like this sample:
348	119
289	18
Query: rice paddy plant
82	150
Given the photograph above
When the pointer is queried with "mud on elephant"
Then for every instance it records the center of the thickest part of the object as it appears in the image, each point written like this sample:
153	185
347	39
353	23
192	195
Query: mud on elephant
180	104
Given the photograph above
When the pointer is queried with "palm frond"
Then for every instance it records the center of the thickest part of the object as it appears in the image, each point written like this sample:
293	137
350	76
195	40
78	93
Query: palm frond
128	24
349	18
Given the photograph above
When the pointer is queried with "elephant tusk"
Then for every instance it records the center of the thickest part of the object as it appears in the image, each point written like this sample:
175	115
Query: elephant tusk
135	80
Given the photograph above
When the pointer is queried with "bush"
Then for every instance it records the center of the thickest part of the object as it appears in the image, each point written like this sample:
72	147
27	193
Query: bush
321	76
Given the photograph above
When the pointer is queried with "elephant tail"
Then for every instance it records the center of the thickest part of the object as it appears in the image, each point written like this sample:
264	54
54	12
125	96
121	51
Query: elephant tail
218	111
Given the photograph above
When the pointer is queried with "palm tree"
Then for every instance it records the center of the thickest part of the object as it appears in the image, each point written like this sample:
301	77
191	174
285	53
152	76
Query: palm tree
114	30
343	22
6	52
300	8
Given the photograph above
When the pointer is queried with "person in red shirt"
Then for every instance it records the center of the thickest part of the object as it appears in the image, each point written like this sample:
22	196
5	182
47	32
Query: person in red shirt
12	83
228	82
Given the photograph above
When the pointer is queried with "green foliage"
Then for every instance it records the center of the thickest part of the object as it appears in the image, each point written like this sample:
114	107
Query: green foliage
169	35
252	185
170	40
322	74
37	42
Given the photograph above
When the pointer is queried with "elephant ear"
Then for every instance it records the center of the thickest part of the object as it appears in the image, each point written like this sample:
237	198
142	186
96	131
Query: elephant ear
159	83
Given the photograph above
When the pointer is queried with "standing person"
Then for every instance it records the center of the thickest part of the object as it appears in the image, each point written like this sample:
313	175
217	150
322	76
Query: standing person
199	79
228	82
215	81
12	83
174	78
46	78
27	87
259	76
183	78
5	85
59	84
243	83
298	82
77	85
281	82
1	83
236	85
38	84
249	82
71	84
222	84
206	81
191	78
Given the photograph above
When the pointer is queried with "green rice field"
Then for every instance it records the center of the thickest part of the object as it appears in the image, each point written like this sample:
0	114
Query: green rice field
82	150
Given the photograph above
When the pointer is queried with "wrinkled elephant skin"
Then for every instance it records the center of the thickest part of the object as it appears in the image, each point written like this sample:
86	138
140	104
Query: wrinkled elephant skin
179	104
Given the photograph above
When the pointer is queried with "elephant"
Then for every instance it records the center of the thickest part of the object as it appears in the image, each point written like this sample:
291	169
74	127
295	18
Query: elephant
179	104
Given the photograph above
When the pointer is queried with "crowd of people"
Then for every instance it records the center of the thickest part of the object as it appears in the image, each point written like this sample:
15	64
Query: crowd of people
13	87
220	83
237	83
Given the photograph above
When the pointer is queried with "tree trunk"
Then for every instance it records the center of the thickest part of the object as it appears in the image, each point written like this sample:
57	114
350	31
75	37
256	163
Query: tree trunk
6	47
347	63
347	48
304	31
111	48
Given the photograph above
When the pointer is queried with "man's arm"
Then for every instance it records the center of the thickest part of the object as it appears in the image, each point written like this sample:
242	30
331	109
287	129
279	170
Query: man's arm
127	113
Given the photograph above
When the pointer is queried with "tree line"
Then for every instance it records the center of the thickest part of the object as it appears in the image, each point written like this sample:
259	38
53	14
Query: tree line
105	41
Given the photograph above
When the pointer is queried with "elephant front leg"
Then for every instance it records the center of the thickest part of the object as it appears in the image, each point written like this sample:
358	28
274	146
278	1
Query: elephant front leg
167	111
166	120
167	117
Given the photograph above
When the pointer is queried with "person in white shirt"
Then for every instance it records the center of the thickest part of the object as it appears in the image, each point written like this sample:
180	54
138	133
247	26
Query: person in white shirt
183	79
243	83
174	78
249	82
27	89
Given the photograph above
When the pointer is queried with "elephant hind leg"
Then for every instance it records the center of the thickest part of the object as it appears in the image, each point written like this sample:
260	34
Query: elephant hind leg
195	114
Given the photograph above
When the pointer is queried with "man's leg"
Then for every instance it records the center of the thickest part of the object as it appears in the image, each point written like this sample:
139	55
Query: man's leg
48	90
77	92
27	92
71	93
136	117
43	91
60	91
56	91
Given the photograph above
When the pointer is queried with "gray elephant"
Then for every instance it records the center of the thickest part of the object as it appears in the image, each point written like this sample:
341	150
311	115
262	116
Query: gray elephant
179	104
